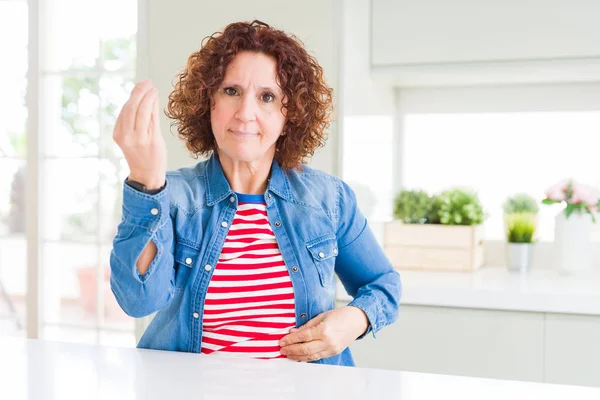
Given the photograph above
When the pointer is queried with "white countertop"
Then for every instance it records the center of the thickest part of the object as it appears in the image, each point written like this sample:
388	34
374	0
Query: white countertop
496	288
32	370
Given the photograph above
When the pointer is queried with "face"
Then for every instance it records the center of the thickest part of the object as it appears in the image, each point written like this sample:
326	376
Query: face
247	118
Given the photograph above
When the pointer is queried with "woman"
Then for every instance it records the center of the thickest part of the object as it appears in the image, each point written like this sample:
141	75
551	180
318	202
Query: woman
239	254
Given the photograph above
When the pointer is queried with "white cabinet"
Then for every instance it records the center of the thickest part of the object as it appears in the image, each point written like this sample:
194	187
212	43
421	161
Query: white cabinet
419	43
481	343
406	32
524	346
572	349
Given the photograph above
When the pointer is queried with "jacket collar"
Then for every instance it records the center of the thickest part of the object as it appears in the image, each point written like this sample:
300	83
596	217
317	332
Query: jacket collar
218	188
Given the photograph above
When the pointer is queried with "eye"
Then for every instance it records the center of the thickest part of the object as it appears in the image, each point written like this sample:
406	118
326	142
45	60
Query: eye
229	91
267	97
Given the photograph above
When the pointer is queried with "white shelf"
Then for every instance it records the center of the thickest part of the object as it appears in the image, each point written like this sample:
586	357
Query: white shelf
496	288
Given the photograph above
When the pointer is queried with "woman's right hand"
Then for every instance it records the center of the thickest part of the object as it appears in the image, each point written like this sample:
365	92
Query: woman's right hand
137	132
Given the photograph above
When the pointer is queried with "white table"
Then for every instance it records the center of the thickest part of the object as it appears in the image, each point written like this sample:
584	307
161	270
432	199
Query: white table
31	369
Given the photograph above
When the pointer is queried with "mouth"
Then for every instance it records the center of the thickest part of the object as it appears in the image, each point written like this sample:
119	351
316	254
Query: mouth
243	133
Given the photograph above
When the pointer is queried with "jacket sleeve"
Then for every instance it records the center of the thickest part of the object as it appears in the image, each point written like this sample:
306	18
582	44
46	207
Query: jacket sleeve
362	266
145	217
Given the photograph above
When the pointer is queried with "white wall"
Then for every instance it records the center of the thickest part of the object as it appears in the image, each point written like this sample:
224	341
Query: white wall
171	30
361	94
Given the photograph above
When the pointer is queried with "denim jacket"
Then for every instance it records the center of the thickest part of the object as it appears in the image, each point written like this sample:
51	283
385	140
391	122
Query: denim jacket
318	228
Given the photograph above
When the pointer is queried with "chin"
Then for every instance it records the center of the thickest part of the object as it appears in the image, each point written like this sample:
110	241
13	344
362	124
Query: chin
243	155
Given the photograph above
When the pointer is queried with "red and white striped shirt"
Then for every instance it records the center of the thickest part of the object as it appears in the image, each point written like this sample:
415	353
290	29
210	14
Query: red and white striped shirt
249	305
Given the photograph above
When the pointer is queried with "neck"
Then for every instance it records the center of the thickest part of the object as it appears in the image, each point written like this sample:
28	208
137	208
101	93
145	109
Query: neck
246	177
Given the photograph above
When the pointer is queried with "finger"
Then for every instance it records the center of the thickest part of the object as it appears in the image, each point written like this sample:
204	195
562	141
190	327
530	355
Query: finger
304	351
144	113
156	116
130	108
117	128
313	322
300	336
312	357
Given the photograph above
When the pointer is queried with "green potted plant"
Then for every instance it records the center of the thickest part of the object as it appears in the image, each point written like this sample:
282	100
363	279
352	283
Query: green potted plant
459	206
520	235
412	206
442	231
520	203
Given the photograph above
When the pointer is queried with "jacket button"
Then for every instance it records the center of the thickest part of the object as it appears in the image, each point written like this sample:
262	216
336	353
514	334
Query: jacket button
196	315
295	268
154	211
302	315
278	224
208	267
224	224
322	255
188	261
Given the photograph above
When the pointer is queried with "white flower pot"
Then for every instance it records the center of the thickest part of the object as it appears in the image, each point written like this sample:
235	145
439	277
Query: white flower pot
573	243
519	256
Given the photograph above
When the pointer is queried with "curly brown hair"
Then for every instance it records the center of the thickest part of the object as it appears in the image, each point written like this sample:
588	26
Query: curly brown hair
307	99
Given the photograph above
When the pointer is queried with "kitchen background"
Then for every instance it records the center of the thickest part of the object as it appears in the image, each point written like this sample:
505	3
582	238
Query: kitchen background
492	97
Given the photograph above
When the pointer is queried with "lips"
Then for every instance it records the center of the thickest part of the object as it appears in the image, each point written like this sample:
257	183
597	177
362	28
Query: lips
243	133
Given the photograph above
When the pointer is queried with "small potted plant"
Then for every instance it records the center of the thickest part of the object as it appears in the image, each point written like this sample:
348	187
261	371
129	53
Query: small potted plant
442	232
412	206
520	203
520	234
457	207
573	224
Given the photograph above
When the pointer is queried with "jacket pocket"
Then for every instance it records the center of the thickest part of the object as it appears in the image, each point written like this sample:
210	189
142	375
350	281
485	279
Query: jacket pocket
323	251
186	258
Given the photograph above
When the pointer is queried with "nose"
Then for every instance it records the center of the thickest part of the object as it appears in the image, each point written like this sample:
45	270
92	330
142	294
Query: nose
246	111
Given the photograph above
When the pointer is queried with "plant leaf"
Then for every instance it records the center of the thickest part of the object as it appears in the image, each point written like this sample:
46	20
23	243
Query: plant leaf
569	210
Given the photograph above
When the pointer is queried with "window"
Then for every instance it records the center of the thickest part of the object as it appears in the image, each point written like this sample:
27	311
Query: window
501	153
87	73
367	163
13	152
87	69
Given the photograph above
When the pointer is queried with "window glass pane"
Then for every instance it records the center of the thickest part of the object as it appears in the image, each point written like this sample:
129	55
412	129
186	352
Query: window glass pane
70	200
13	112
499	154
13	248
69	293
367	163
71	34
70	116
114	92
13	285
12	197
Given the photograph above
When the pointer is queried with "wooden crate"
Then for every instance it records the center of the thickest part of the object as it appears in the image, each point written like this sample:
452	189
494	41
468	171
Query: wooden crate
434	247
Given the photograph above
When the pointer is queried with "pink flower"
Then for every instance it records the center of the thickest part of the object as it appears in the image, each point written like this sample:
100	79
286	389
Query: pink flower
584	194
557	191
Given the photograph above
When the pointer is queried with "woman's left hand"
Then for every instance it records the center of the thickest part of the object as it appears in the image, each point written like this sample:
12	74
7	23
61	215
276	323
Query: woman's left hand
325	335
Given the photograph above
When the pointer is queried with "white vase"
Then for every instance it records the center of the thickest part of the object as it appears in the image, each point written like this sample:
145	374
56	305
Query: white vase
573	243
